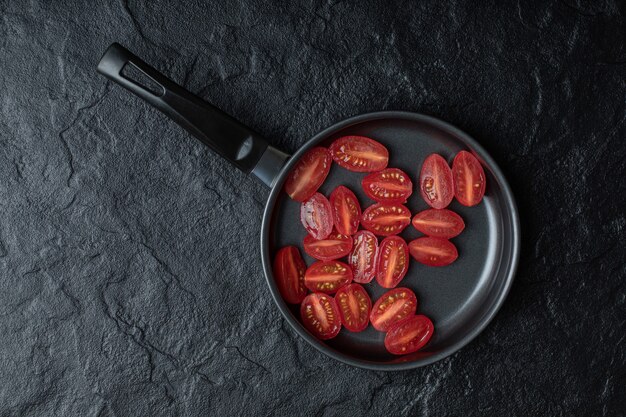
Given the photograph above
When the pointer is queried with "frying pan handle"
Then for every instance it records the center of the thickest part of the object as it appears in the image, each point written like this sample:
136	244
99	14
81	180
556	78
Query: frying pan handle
243	147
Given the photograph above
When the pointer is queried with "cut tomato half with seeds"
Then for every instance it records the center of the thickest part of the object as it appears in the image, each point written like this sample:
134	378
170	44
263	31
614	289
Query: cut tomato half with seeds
392	307
289	269
433	251
346	210
354	307
327	276
359	154
362	259
320	316
393	261
308	174
436	183
439	223
390	185
335	246
316	216
469	179
386	219
409	335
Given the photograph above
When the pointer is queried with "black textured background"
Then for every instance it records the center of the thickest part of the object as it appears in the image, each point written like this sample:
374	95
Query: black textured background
122	240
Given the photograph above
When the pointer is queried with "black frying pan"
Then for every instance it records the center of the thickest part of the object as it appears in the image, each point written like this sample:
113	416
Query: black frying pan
461	298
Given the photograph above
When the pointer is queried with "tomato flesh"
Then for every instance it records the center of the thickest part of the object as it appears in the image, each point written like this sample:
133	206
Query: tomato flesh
362	259
469	179
289	269
439	223
327	276
354	307
390	185
409	335
359	154
308	174
346	210
386	219
433	251
393	261
392	307
335	246
316	216
436	185
320	316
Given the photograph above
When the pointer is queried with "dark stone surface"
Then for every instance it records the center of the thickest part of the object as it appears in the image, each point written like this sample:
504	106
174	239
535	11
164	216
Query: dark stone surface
121	239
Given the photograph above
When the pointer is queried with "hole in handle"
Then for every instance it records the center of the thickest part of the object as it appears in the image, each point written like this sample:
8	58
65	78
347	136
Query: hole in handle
136	75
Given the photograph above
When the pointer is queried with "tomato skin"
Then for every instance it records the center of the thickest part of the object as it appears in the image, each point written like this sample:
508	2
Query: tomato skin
346	210
316	216
363	257
469	179
409	335
433	251
320	316
436	185
354	307
335	246
439	223
327	276
308	174
390	185
386	219
289	269
393	306
393	261
359	154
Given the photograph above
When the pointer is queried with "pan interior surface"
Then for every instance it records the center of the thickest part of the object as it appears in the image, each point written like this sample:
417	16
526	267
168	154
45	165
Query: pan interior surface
460	298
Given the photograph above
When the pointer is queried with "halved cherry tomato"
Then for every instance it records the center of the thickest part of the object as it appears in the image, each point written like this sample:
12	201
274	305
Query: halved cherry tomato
320	316
354	307
433	251
439	223
359	154
392	307
316	216
362	260
308	174
469	179
327	276
436	183
335	246
390	185
346	210
393	261
409	335
386	219
289	271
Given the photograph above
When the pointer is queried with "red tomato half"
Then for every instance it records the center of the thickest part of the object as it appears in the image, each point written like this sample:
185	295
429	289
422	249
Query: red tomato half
433	251
327	276
362	260
308	174
334	246
359	154
390	185
289	271
346	210
354	307
386	219
409	335
393	261
316	216
320	316
469	179
392	307
436	183
439	223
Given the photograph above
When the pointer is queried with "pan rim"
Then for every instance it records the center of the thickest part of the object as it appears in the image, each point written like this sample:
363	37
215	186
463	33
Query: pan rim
491	312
